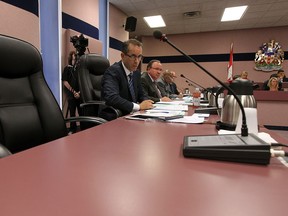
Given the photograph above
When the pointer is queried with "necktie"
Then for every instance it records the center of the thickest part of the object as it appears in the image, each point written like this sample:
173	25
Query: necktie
131	88
157	90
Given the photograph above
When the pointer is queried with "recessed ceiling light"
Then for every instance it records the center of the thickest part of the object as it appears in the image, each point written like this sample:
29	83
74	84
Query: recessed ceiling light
233	13
155	21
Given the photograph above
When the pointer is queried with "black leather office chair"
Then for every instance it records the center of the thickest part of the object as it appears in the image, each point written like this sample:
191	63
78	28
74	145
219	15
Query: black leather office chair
29	113
90	72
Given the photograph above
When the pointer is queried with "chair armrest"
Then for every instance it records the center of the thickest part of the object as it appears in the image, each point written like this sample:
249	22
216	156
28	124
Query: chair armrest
93	103
4	151
96	120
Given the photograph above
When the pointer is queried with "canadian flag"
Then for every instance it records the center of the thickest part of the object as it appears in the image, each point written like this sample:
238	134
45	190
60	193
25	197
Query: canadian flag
230	66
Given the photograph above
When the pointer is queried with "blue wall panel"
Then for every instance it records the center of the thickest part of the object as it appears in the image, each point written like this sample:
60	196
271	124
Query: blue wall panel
50	45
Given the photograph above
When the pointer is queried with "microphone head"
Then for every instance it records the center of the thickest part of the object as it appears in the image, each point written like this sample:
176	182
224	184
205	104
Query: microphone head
182	75
158	35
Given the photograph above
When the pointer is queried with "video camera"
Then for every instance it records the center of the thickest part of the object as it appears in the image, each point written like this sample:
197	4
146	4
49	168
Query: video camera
80	43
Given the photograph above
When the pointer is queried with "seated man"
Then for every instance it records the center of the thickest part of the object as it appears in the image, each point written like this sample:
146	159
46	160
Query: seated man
167	85
121	82
243	75
174	87
281	76
149	82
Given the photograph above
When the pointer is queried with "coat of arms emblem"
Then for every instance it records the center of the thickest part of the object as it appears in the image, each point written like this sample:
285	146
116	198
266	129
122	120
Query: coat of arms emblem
269	57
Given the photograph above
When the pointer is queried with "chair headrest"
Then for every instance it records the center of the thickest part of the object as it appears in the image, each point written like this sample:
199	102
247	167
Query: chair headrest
18	58
95	64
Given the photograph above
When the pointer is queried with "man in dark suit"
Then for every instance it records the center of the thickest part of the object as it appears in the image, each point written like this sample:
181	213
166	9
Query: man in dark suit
174	87
121	82
149	82
166	84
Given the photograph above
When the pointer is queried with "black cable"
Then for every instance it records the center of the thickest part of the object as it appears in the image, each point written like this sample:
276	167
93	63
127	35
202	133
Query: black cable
278	145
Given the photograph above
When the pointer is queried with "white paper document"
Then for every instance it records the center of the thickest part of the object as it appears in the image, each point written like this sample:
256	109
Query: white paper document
170	106
188	120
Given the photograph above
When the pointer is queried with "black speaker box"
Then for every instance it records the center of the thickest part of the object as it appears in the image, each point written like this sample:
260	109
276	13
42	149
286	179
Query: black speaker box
130	25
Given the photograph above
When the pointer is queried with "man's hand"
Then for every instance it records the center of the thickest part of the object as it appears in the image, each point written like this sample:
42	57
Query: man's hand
146	104
166	99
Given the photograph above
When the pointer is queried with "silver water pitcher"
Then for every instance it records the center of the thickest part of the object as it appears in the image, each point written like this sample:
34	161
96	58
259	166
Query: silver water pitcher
230	108
211	95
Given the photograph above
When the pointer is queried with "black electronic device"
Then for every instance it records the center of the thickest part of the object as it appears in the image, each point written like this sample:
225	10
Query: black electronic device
233	148
130	25
229	153
80	43
207	110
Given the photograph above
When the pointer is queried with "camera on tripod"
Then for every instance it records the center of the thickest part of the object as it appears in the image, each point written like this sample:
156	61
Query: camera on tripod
80	43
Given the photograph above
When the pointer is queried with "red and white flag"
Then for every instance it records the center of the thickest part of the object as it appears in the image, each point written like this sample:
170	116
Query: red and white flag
230	66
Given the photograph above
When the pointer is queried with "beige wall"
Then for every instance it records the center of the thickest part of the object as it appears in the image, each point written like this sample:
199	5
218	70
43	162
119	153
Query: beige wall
19	23
86	11
116	30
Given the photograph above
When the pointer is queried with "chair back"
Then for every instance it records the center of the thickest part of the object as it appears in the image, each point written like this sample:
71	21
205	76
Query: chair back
29	113
90	73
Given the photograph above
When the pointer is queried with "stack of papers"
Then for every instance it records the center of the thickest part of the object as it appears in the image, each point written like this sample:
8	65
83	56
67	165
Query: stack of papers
172	116
170	106
173	111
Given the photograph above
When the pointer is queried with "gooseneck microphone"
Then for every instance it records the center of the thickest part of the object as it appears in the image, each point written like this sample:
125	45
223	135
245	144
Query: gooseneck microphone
196	85
192	82
162	37
244	147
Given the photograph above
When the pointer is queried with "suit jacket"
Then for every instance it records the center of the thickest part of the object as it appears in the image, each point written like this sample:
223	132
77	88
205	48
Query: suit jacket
169	89
149	89
115	89
174	88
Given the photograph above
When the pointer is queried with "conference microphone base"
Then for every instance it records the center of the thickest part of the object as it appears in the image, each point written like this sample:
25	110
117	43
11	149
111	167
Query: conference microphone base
207	110
225	126
232	147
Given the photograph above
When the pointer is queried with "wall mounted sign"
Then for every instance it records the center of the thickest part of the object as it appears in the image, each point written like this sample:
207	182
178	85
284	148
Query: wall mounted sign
269	57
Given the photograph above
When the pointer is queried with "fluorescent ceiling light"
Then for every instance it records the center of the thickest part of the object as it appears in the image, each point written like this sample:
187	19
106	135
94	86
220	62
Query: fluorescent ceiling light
155	21
233	13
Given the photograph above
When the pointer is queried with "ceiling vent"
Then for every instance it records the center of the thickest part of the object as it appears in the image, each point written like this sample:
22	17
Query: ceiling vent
192	14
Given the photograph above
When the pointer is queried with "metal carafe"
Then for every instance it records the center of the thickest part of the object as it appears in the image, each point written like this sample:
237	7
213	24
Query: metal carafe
213	98
230	108
210	95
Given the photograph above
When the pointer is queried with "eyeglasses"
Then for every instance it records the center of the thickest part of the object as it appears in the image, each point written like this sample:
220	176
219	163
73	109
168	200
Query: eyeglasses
159	69
134	57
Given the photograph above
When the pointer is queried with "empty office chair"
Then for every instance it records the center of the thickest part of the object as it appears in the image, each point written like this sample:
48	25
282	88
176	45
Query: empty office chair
90	72
29	113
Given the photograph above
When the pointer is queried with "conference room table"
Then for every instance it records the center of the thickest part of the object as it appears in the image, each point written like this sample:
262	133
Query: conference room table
136	168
